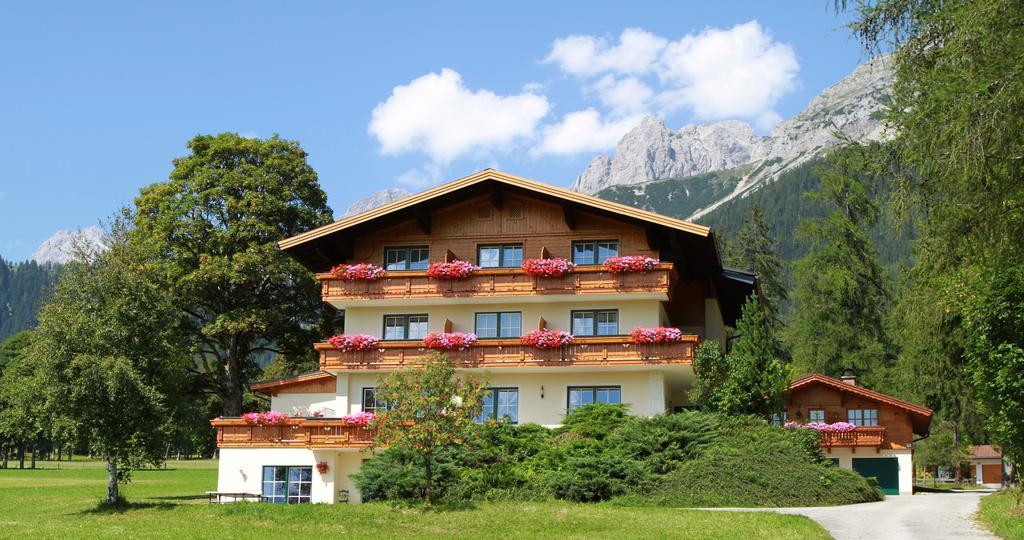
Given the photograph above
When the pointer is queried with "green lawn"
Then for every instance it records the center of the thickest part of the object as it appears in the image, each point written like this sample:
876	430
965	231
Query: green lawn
171	504
1000	513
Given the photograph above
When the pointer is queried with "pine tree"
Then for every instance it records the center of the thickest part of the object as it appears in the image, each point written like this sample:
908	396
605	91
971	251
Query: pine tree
753	249
840	298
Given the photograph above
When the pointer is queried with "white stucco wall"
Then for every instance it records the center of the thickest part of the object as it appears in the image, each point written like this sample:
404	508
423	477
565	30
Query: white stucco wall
904	459
642	390
632	313
240	470
714	325
288	403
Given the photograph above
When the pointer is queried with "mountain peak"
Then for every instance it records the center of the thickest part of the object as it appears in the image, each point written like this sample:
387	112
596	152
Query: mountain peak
379	198
651	151
65	245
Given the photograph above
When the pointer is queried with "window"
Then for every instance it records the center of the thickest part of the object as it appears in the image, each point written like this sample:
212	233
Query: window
779	418
507	324
500	256
816	415
405	327
290	485
407	258
370	402
594	252
500	404
585	395
862	417
603	322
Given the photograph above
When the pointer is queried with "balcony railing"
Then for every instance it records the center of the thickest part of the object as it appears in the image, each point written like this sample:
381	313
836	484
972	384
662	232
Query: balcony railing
862	436
490	282
292	433
495	353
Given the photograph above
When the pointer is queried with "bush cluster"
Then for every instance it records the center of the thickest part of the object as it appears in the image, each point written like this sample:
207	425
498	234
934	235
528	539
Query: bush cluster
602	453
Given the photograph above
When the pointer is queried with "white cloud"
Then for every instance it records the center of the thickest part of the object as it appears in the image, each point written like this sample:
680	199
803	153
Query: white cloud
740	72
628	95
584	131
438	115
636	52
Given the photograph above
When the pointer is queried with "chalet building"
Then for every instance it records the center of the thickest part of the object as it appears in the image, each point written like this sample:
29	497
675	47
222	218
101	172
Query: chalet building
882	444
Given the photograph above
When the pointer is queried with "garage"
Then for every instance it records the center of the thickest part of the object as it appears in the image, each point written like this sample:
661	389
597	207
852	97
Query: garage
885	470
992	474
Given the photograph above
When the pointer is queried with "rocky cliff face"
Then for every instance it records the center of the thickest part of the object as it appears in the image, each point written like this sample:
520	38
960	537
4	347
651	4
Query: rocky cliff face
652	151
379	198
64	246
648	153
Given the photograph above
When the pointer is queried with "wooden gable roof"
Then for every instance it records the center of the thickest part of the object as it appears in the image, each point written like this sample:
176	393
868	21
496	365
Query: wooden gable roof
694	246
920	416
306	383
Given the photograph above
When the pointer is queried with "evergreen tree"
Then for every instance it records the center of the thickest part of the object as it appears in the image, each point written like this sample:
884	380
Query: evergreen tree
840	297
751	378
753	248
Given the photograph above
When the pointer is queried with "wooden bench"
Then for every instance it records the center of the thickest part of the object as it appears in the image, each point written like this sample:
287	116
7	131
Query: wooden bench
227	496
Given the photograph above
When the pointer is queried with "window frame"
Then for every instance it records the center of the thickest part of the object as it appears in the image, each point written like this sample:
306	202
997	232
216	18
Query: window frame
476	324
596	251
853	414
373	390
406	323
779	418
408	257
287	495
593	392
492	414
501	254
810	415
597	325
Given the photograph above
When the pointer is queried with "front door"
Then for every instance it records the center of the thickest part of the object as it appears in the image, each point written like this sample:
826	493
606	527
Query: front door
885	470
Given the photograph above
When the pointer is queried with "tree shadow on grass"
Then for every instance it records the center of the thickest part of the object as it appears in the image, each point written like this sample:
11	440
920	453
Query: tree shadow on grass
122	506
182	498
437	507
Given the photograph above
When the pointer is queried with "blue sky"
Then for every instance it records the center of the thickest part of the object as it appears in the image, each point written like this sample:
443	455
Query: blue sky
97	98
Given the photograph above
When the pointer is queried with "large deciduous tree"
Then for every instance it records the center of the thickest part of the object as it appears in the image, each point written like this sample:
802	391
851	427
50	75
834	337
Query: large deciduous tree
841	295
428	411
212	228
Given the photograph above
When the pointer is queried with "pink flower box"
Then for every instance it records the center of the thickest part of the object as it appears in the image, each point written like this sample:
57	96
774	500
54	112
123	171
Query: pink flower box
358	272
361	419
449	341
451	270
354	342
265	418
837	427
630	263
547	339
660	334
547	267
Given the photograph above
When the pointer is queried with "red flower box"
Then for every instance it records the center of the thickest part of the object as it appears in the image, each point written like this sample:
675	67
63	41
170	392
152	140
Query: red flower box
660	334
547	339
451	270
358	272
547	267
449	341
354	342
630	263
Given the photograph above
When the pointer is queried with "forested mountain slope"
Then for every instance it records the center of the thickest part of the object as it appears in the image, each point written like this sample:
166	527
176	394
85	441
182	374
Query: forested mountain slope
23	289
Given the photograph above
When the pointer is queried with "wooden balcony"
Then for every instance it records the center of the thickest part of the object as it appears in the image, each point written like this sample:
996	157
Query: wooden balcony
292	433
510	353
497	282
873	436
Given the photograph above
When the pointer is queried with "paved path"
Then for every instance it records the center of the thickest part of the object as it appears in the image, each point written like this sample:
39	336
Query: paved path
923	516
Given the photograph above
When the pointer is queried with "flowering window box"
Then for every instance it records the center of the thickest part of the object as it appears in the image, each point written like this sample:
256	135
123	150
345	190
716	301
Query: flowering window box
271	418
630	263
358	272
547	339
353	342
661	334
448	341
361	419
451	270
547	267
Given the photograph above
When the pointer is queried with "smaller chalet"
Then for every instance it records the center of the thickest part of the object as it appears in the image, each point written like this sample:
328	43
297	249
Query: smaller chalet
881	445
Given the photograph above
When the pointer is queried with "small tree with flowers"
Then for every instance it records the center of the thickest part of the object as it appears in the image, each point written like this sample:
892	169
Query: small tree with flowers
428	410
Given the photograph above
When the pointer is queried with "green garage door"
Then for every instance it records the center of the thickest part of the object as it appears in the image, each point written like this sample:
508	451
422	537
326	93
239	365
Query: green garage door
886	470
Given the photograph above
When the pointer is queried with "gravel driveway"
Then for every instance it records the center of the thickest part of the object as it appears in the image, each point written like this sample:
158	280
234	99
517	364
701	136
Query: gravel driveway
925	516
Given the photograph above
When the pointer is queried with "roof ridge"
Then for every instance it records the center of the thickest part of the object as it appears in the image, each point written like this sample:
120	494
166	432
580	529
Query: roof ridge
818	377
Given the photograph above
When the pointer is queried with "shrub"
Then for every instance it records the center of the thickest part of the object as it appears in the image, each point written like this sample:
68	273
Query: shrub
398	475
756	464
595	421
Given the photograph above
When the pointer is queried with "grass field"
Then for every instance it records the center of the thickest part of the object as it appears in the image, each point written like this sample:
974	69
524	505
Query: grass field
1002	516
51	503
